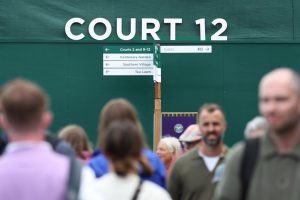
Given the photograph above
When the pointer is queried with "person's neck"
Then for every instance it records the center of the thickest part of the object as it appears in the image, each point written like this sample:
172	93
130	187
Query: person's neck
35	137
168	164
131	171
285	142
212	151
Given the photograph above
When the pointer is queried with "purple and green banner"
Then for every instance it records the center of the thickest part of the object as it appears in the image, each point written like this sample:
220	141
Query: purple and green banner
174	124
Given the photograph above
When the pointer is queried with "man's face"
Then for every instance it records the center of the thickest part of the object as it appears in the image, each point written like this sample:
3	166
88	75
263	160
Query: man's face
279	103
189	145
212	127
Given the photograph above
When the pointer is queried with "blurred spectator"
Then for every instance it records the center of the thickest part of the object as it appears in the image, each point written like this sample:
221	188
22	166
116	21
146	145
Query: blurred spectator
267	167
167	150
121	109
60	146
123	144
29	168
256	127
78	139
190	137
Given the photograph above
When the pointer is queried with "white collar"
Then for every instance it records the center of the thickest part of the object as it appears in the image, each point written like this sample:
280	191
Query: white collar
14	146
201	155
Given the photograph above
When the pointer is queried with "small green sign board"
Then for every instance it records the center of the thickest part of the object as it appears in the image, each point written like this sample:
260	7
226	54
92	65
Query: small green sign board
128	49
128	60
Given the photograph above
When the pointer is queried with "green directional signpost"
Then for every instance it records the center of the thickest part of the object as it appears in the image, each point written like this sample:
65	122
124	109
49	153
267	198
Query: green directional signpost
144	61
136	61
157	78
127	60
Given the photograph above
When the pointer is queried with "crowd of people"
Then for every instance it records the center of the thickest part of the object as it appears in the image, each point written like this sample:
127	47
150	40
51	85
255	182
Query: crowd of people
37	164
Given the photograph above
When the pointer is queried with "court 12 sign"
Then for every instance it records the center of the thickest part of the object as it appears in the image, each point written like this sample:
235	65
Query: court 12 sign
127	60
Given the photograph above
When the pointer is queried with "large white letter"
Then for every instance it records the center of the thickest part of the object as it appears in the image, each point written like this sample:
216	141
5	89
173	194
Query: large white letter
107	25
201	22
152	31
132	29
173	23
68	28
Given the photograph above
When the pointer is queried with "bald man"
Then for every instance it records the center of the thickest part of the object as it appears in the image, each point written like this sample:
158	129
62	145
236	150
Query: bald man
276	174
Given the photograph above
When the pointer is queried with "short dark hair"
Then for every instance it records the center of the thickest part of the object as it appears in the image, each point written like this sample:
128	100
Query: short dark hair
211	107
23	103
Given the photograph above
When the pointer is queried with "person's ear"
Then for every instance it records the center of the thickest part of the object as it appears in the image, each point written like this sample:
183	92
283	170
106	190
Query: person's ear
298	104
4	123
225	126
47	119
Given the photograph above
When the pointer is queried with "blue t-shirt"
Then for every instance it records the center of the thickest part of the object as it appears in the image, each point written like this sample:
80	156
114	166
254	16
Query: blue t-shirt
100	166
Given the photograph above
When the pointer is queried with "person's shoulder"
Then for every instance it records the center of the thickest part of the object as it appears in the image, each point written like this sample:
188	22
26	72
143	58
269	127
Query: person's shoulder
184	161
159	171
152	186
105	181
153	191
59	145
106	177
236	150
99	188
150	154
99	159
152	158
87	172
193	153
99	164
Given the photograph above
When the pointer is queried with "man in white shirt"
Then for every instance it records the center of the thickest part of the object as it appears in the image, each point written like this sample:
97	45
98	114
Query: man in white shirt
192	176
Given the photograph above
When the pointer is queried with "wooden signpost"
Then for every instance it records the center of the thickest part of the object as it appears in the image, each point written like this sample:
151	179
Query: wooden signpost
144	61
157	96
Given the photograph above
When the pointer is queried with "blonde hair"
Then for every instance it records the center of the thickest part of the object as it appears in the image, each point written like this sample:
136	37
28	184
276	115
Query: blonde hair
77	138
173	144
